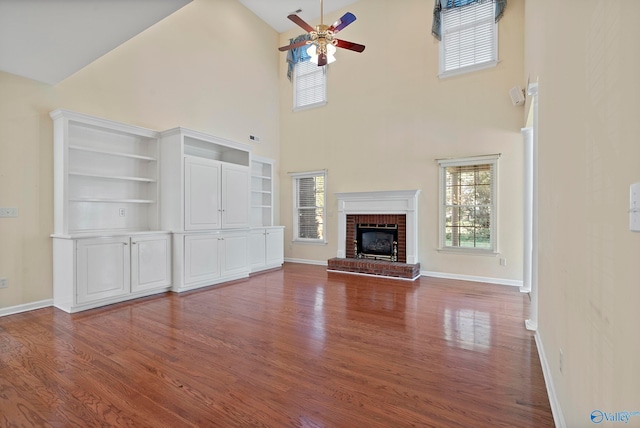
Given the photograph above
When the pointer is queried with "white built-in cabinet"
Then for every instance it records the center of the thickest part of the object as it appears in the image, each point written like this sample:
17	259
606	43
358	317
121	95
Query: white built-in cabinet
213	257
205	203
215	194
266	248
107	245
266	242
138	212
121	266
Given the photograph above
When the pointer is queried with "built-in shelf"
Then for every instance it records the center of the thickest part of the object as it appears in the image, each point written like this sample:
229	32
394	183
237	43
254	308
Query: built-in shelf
113	177
261	192
106	175
261	177
122	201
111	153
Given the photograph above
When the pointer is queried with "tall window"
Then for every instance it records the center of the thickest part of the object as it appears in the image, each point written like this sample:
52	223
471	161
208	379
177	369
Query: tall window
469	38
309	195
468	201
309	85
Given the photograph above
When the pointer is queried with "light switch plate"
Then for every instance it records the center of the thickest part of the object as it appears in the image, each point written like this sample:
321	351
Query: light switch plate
634	207
8	212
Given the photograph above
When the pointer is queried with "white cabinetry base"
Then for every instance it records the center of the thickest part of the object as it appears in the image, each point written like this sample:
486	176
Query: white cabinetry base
89	272
209	258
266	248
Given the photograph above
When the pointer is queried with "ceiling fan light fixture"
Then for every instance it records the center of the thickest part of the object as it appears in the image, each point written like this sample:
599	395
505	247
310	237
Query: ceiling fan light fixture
330	59
315	49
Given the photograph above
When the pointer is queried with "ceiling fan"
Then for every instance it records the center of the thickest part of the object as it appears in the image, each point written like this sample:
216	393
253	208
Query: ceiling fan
322	42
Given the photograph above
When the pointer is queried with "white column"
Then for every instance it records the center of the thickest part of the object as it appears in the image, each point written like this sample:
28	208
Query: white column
532	322
527	136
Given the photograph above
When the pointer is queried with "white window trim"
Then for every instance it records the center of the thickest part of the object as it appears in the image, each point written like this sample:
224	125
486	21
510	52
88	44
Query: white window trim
469	69
473	160
295	90
295	176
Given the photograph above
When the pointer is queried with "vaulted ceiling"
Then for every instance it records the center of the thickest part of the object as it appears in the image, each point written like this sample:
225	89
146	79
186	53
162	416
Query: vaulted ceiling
49	40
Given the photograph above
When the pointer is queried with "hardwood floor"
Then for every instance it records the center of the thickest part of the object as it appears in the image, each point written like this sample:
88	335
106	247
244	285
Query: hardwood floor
296	347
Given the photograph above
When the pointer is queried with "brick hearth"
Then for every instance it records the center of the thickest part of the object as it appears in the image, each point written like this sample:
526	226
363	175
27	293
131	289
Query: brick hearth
375	267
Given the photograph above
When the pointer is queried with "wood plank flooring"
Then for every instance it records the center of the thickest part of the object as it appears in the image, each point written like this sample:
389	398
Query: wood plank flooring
297	347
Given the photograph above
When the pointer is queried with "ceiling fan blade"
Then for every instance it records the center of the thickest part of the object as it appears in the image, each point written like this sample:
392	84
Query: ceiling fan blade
350	45
345	20
292	45
295	18
322	60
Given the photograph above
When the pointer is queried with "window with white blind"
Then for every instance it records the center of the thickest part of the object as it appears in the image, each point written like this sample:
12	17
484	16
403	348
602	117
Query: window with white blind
469	38
309	85
309	195
468	204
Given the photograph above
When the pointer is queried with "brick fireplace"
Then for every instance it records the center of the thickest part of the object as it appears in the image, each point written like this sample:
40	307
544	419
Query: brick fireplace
384	208
400	220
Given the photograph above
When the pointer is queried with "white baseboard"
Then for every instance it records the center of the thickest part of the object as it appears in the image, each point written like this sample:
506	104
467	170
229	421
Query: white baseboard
556	409
26	307
498	281
307	262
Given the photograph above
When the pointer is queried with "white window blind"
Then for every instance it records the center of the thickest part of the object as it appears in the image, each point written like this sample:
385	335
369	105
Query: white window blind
309	86
469	38
309	206
468	200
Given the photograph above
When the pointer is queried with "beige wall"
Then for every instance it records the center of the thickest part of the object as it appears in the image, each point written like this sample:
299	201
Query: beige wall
585	55
211	66
388	105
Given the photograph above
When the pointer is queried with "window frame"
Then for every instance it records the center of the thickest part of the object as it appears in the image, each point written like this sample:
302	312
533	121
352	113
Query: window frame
296	89
442	72
296	207
492	161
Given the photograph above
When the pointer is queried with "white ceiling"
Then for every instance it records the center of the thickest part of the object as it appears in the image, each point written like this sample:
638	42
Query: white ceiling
275	12
49	40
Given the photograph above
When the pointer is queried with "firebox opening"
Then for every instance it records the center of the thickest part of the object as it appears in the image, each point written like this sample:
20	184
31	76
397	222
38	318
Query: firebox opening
376	241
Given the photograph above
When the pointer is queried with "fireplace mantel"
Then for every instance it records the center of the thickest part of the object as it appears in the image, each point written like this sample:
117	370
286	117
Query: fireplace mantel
381	202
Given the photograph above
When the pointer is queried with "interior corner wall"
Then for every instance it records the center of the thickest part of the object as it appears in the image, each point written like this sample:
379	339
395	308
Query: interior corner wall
584	55
389	118
210	66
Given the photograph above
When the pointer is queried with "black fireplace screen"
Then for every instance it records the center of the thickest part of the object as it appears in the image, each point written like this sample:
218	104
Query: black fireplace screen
377	241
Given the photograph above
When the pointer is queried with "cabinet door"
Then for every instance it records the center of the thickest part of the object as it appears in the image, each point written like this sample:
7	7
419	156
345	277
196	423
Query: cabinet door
150	262
201	194
274	247
201	258
235	257
103	268
257	248
235	196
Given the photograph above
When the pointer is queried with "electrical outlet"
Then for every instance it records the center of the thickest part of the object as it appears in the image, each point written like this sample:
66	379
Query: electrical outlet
8	212
4	282
561	360
122	212
503	262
